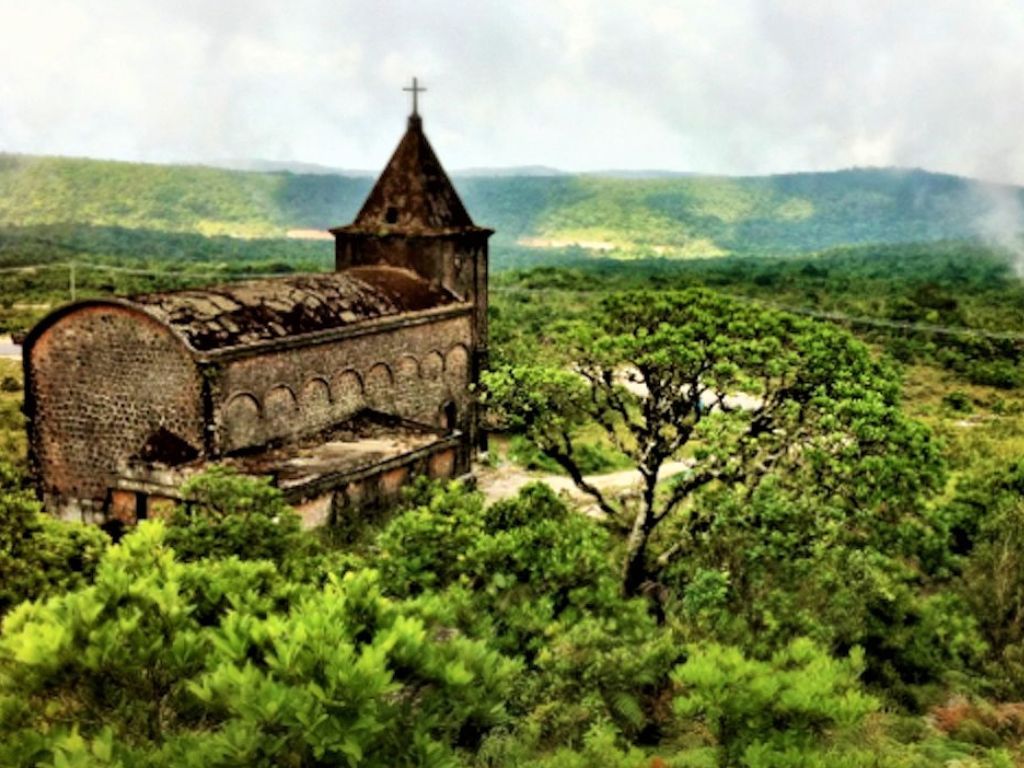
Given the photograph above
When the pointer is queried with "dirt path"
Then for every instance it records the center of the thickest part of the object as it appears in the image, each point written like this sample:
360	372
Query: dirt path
8	349
501	482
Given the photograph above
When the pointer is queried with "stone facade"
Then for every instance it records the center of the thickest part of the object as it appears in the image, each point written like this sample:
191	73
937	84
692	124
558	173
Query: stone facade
413	370
101	379
364	374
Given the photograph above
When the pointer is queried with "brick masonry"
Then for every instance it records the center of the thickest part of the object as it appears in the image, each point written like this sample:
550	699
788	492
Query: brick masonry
412	371
100	380
103	378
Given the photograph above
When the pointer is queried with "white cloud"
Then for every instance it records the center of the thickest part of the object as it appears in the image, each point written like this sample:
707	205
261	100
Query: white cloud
748	86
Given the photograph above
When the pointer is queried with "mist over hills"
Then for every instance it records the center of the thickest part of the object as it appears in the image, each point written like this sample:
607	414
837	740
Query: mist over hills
625	215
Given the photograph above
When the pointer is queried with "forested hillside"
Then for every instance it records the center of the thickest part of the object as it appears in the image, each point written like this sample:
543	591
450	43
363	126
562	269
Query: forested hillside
682	216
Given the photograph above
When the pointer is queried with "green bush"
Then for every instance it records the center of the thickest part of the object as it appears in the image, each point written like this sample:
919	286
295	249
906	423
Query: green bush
776	712
539	581
958	401
987	516
997	373
601	748
222	663
228	514
604	670
40	556
774	565
526	562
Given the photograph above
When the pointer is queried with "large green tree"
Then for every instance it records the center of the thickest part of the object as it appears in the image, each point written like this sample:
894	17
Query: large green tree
738	391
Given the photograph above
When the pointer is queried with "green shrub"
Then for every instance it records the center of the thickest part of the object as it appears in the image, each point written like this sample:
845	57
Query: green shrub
526	562
231	514
601	748
958	401
40	556
774	712
995	373
540	582
601	670
223	663
774	565
989	512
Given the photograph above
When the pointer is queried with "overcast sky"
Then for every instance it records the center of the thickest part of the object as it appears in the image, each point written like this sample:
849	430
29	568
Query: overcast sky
718	86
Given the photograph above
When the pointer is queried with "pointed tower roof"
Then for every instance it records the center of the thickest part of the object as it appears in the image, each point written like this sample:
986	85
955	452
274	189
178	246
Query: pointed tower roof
413	194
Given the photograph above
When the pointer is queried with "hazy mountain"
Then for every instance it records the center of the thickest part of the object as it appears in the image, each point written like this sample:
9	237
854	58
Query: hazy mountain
649	173
288	166
517	170
628	215
284	166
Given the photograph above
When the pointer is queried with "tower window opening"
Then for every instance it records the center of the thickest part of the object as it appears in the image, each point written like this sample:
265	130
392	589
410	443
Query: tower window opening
391	215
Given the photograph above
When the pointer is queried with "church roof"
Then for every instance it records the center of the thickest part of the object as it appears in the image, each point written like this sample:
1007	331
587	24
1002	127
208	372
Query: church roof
249	311
413	195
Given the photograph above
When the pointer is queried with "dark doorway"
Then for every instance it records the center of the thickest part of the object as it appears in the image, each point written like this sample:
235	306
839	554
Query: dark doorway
449	417
141	507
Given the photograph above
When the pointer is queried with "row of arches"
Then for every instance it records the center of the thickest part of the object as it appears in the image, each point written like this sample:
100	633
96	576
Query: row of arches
410	387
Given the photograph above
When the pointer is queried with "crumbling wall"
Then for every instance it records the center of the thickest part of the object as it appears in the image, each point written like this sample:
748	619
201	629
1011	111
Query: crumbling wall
101	380
370	493
444	261
414	371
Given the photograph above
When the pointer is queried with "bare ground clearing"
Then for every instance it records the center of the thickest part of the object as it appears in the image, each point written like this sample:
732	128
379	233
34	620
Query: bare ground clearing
501	482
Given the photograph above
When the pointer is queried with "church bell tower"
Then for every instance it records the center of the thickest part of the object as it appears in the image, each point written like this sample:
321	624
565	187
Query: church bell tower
413	219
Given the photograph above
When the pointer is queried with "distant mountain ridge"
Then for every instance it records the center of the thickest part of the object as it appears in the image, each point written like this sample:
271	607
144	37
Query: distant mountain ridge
257	165
661	214
287	166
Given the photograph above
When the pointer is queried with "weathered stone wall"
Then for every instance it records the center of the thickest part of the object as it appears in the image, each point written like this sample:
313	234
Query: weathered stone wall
412	371
456	260
445	261
103	379
373	492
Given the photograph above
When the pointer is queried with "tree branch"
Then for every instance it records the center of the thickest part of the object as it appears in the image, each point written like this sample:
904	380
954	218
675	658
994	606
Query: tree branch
565	460
684	489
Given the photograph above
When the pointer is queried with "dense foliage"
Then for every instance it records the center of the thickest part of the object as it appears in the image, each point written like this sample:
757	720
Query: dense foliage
955	305
681	216
233	515
776	711
40	556
224	663
665	375
467	634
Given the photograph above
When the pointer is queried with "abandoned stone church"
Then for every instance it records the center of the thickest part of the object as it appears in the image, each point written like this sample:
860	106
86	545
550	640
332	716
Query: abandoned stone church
340	386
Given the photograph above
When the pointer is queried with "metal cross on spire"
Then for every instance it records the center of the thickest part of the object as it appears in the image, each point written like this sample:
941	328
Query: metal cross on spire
416	91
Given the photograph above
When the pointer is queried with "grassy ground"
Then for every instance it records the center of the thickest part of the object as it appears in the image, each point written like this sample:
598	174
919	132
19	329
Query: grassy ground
982	427
12	423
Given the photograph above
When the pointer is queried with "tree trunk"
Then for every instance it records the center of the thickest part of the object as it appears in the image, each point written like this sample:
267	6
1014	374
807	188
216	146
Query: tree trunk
634	572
